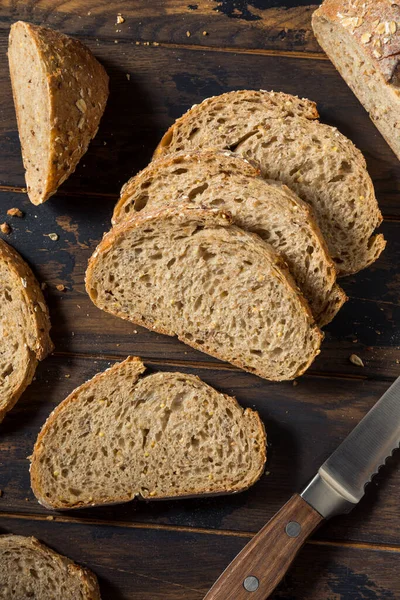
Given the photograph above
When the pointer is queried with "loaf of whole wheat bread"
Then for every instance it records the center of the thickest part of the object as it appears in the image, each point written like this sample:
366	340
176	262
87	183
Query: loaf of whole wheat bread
362	39
25	326
269	209
60	93
29	569
166	435
188	272
281	133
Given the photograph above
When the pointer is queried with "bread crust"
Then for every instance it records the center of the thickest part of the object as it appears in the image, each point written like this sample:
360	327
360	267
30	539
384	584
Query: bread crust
77	86
86	577
139	367
38	325
375	25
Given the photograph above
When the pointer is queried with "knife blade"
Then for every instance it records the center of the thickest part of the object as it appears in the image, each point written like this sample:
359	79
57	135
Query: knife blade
337	487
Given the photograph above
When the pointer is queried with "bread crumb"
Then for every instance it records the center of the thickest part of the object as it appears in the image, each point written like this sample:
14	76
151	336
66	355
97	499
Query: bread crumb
188	34
356	360
134	331
205	32
50	518
52	236
295	383
61	287
156	44
120	19
15	212
128	76
5	228
43	285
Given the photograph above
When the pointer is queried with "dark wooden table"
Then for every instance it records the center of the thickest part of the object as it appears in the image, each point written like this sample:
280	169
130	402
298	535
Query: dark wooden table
166	56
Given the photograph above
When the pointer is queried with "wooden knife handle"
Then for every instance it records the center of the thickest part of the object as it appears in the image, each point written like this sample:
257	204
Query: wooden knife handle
260	566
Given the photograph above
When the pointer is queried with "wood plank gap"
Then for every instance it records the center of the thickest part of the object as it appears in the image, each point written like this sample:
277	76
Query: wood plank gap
371	546
209	366
22	190
234	50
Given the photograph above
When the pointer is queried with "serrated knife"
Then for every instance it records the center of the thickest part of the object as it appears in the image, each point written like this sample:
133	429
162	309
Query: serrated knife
338	486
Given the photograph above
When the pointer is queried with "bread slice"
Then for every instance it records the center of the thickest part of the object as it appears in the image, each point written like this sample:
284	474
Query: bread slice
362	40
321	165
166	435
60	92
29	569
270	209
188	272
24	326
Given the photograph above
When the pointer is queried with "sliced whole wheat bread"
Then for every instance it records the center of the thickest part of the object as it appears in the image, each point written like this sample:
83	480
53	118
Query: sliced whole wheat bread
25	326
321	165
188	272
29	569
60	92
166	435
362	39
270	209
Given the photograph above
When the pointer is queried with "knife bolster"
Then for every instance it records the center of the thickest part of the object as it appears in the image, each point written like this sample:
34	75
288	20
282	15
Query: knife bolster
325	499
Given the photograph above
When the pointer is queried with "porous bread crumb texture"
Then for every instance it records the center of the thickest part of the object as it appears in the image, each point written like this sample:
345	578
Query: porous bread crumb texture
380	98
60	92
219	114
188	272
29	569
322	166
162	436
269	209
24	327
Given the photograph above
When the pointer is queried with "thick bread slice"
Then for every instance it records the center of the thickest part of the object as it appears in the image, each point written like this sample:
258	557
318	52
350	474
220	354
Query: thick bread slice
29	569
362	39
25	326
162	436
270	209
60	92
321	165
189	272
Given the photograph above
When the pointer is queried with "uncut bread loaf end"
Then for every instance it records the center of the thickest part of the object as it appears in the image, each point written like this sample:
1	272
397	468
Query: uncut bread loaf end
29	569
269	209
25	327
281	133
362	39
167	435
189	272
60	92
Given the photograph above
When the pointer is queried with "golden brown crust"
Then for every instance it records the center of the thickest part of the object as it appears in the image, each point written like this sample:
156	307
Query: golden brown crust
375	25
38	325
57	504
86	577
78	89
206	216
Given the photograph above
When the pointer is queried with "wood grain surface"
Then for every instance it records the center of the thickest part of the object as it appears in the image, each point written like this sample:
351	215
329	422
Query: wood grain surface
176	550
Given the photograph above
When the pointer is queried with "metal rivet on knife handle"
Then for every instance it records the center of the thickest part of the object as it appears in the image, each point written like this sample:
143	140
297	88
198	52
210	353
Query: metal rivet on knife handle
251	583
293	529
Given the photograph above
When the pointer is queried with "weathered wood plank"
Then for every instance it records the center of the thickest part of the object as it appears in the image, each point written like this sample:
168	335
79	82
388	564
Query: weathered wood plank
261	25
370	316
305	423
164	82
160	565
